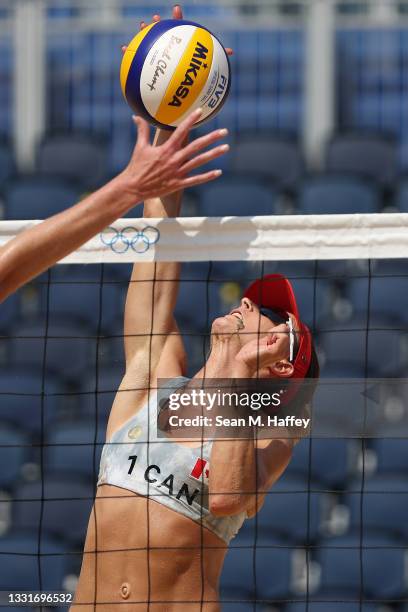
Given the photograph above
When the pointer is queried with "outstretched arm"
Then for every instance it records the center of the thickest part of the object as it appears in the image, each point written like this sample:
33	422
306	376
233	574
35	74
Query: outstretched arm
151	172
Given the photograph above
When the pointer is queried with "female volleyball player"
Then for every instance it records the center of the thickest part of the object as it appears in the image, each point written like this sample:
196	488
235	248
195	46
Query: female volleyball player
151	171
159	530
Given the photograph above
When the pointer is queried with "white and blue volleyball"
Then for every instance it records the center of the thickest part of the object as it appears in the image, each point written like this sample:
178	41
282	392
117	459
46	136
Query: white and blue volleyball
173	67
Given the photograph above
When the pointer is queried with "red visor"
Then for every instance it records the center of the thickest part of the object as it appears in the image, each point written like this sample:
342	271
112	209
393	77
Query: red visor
275	291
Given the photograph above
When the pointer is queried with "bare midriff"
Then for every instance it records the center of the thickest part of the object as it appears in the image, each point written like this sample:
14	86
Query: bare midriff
140	555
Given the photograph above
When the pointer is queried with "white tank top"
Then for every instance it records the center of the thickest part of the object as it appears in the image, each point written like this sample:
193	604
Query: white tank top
171	474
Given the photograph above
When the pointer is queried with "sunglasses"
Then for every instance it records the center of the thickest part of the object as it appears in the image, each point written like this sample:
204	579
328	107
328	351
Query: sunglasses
277	316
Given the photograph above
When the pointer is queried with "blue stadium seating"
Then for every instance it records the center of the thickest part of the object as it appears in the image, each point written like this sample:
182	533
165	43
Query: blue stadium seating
401	196
75	297
14	452
9	311
383	504
238	197
278	159
369	155
314	298
109	379
379	290
392	455
38	197
337	194
237	605
382	346
311	455
198	301
67	347
382	559
333	606
7	164
241	563
74	156
289	511
335	392
75	447
20	397
21	564
342	369
54	502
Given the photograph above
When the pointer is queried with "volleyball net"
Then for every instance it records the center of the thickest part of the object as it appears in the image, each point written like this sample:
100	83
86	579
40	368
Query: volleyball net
332	533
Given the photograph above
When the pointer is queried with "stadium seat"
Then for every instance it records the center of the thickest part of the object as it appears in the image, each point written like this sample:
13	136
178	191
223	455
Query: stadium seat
61	503
381	343
39	197
275	561
342	369
9	311
199	301
108	381
66	349
337	194
289	511
278	159
21	403
21	564
239	604
76	295
401	196
237	196
370	155
383	504
7	164
376	292
333	606
314	297
328	461
330	417
383	565
392	455
75	447
81	157
14	452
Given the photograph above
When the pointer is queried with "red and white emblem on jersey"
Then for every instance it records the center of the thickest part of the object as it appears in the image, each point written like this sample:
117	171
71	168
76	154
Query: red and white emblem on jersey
201	470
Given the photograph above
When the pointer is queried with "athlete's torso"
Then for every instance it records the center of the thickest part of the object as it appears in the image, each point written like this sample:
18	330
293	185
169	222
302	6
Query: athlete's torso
147	550
174	475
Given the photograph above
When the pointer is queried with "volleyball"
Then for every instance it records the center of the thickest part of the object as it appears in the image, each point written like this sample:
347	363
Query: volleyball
171	68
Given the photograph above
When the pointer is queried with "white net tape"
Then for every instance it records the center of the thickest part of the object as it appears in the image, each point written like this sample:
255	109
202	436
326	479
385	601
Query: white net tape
297	237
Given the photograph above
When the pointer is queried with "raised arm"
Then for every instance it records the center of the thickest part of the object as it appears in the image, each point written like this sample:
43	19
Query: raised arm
153	288
152	171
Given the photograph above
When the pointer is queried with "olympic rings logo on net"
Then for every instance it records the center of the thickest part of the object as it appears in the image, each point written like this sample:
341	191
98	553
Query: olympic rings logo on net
139	241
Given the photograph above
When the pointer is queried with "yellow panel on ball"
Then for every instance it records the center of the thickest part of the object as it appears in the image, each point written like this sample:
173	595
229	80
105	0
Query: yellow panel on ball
188	79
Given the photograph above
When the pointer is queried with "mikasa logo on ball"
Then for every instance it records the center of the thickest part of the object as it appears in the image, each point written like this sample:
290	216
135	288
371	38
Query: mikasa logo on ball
197	62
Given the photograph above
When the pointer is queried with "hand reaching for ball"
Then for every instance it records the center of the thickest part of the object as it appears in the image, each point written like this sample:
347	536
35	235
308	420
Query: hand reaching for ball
156	171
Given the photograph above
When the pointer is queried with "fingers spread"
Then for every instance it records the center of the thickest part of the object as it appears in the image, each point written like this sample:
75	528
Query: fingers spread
199	179
202	142
183	129
204	158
